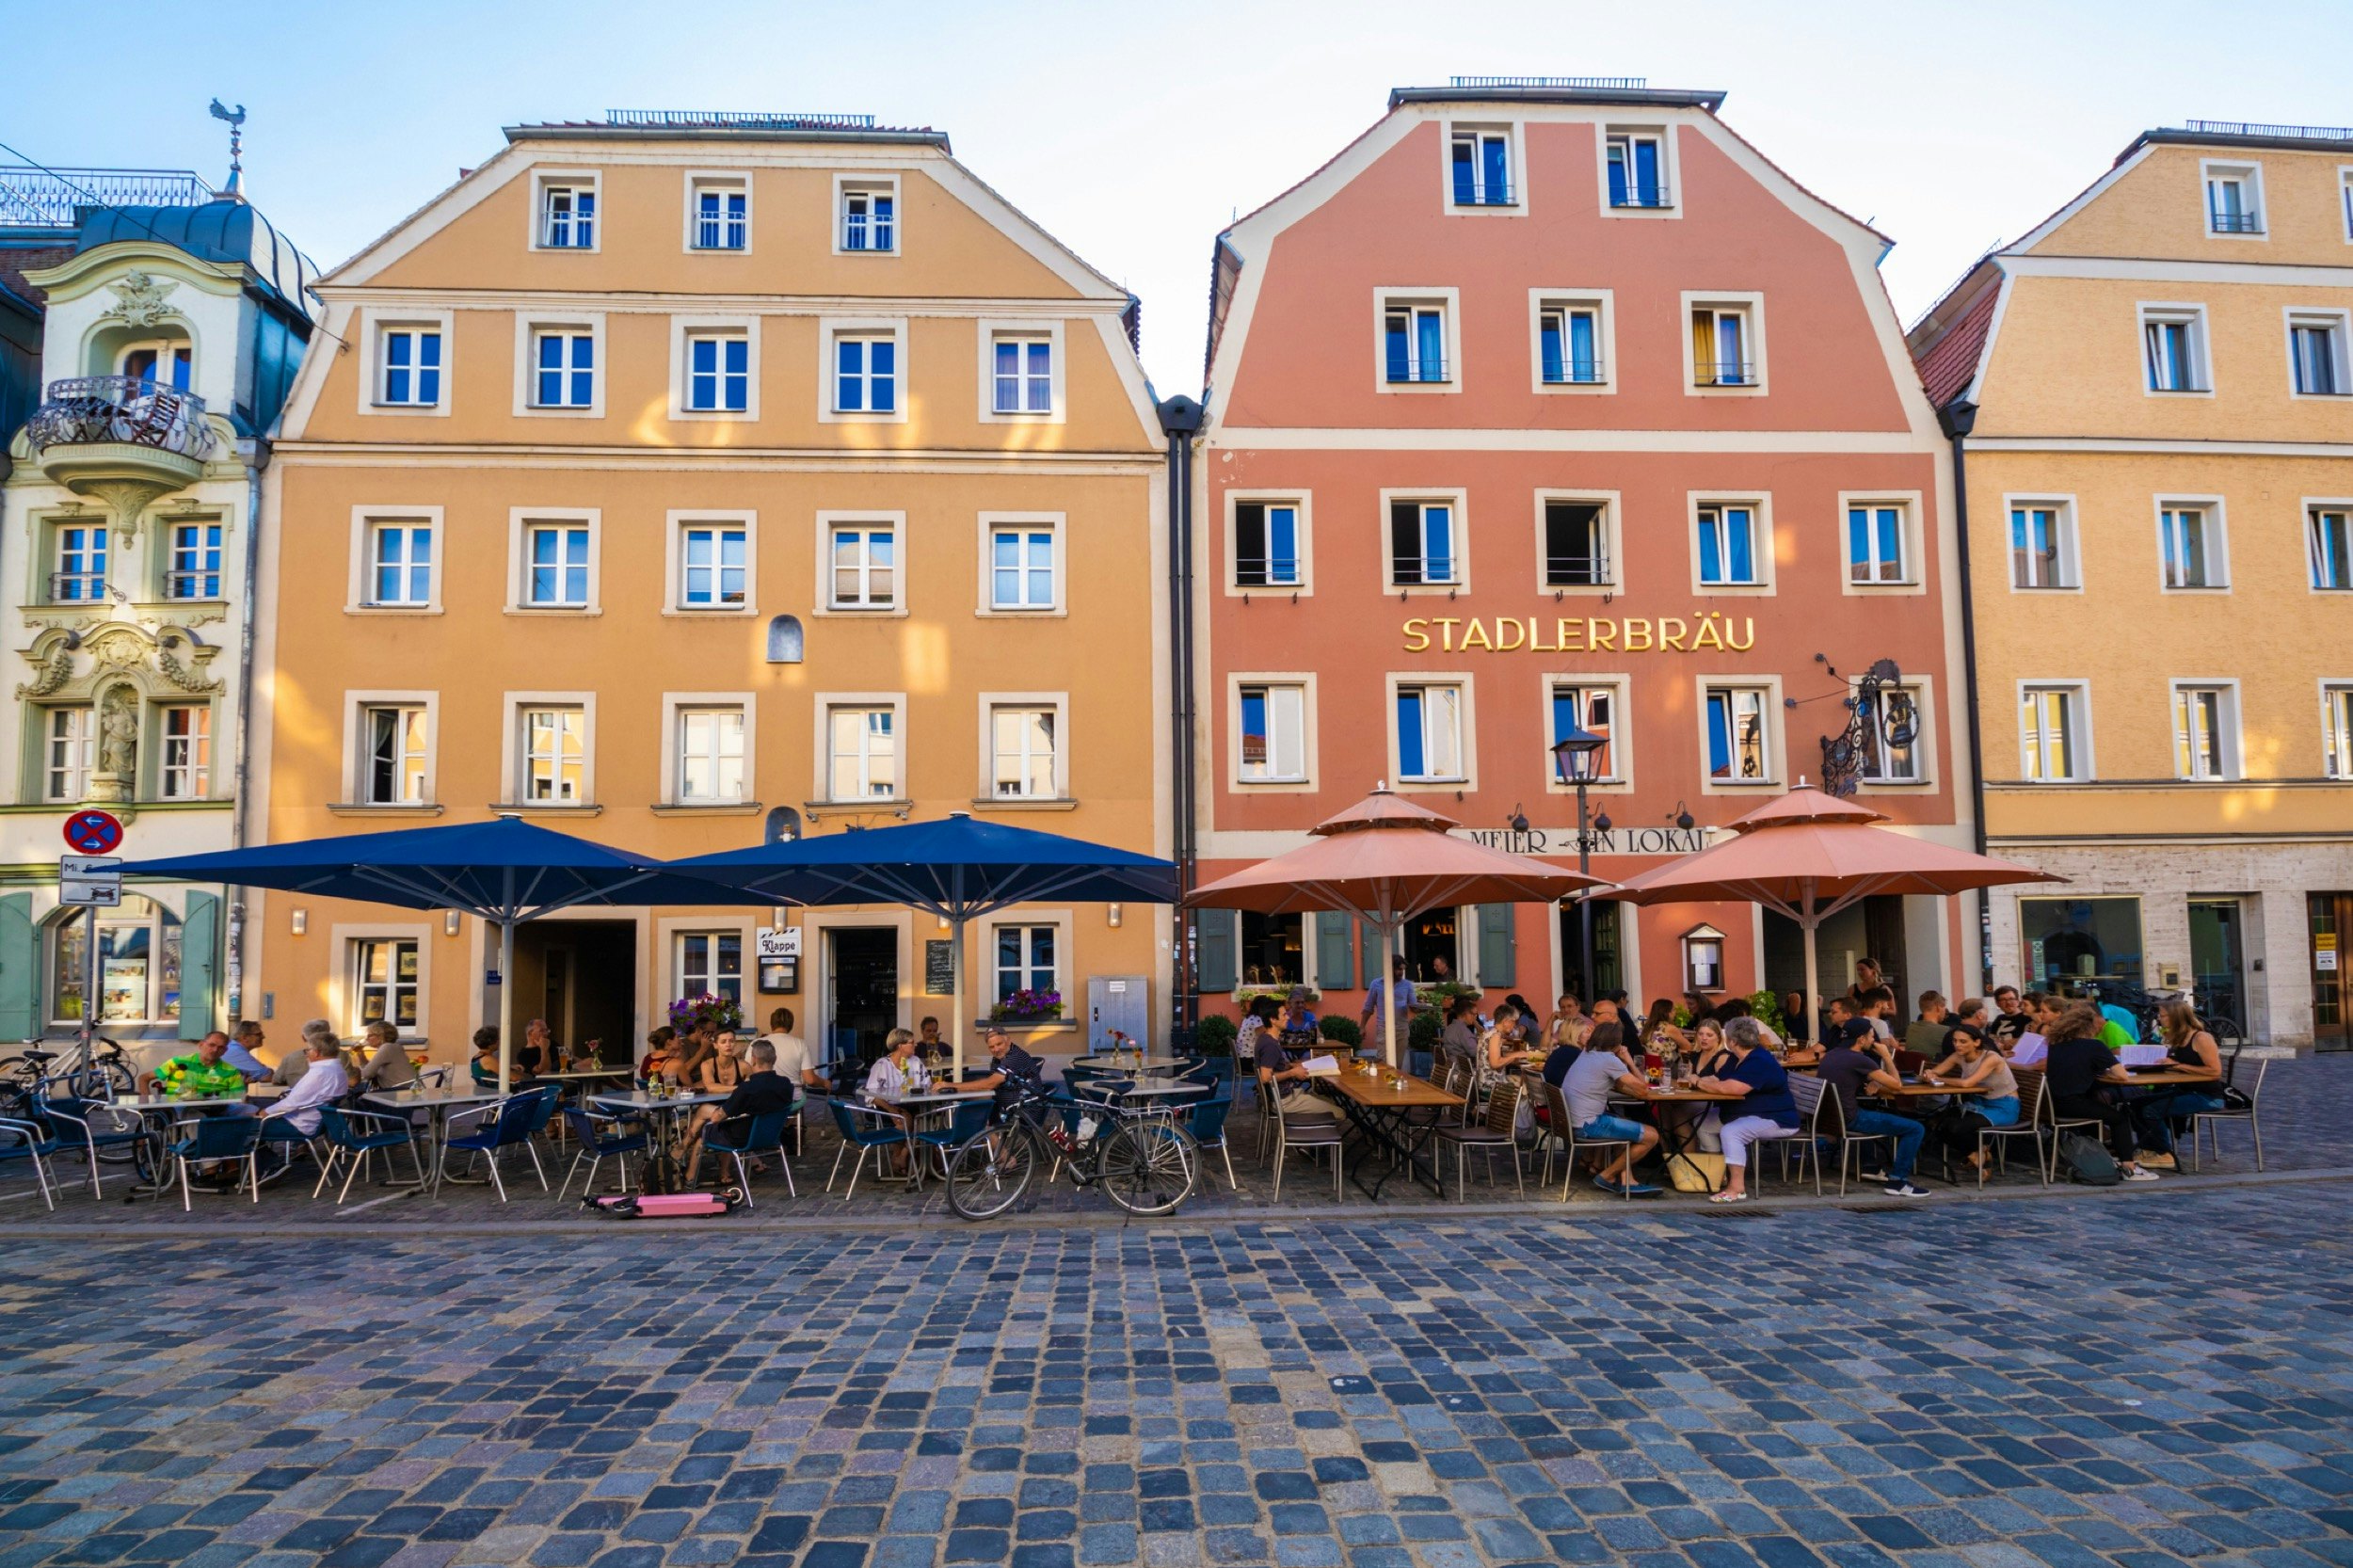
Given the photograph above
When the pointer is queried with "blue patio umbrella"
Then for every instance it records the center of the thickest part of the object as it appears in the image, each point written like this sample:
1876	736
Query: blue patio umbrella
505	870
957	869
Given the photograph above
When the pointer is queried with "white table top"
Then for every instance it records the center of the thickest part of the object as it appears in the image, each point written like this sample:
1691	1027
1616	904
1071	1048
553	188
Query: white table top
1149	1091
173	1102
413	1097
582	1075
640	1100
1105	1063
944	1096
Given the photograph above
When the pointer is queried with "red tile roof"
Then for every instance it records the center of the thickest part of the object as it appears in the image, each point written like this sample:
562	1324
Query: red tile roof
1950	363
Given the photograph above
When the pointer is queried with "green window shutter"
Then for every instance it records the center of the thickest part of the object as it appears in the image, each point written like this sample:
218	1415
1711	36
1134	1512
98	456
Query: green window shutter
20	969
1216	936
1497	946
1331	955
1368	953
199	964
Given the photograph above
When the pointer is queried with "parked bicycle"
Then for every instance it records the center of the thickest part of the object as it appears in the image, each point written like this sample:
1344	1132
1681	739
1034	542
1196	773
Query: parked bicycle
100	1073
1143	1160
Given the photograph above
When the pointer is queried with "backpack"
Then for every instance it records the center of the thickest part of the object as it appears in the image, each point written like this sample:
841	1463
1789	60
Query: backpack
2087	1161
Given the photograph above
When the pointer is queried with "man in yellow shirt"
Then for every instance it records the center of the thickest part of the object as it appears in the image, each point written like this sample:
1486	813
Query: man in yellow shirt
204	1075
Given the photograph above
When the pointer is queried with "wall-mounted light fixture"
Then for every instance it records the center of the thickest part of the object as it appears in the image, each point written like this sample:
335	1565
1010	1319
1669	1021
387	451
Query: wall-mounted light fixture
449	923
1113	913
300	921
944	924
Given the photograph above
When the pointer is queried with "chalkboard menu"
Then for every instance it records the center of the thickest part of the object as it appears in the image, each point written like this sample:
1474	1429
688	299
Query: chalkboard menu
939	969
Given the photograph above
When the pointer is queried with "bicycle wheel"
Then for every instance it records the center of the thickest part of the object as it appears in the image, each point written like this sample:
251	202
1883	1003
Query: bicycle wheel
989	1173
17	1079
1148	1167
118	1077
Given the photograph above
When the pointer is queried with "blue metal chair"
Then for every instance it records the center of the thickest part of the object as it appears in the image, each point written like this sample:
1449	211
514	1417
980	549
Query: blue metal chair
516	1118
968	1123
83	1127
31	1141
765	1135
218	1140
1207	1126
886	1134
601	1134
355	1134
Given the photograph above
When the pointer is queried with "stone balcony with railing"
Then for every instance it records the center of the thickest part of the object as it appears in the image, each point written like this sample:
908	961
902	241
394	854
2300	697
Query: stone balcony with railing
123	439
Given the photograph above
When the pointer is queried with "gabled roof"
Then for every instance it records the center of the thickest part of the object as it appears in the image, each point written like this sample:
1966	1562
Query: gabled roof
1949	341
729	126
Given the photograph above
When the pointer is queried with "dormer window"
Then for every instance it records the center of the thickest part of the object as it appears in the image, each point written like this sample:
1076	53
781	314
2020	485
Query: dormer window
567	217
2234	200
721	216
166	363
869	219
1479	167
1638	169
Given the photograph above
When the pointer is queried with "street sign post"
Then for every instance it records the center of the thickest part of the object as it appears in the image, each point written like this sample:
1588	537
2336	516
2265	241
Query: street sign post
89	881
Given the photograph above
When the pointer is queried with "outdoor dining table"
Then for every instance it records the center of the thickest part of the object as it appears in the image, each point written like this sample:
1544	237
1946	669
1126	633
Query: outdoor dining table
437	1104
154	1108
1130	1064
666	1131
1384	1119
2138	1077
928	1105
1678	1135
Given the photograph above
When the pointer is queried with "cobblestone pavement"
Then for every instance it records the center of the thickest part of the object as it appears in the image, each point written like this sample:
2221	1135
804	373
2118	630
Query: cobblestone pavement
2307	1106
2080	1383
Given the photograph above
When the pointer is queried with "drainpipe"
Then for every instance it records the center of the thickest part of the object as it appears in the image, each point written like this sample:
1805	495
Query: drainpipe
1181	419
251	576
1956	419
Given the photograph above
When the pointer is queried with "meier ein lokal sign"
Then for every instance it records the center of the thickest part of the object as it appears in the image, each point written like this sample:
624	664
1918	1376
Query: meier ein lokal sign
1615	841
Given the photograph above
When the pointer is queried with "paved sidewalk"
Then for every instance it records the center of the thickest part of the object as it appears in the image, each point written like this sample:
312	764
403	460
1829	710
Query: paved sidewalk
2137	1384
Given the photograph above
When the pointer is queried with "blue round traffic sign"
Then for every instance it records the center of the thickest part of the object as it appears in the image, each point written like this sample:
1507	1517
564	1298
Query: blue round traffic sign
95	832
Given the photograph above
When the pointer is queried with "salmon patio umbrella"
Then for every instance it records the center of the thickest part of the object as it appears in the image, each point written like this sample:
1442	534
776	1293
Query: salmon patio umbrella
1809	855
1385	860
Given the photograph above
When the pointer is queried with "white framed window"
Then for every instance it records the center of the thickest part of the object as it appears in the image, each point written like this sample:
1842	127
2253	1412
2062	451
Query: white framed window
1637	172
557	565
1272	719
385	981
711	750
1021	374
408	366
1481	168
1879	547
193	560
718	211
78	561
862	751
1725	344
865	373
564	211
1895	736
184	769
402	570
1269	545
866	217
2336	728
709	964
1024	569
862	567
2205	729
1731	544
138	964
1024	746
1737	727
395	754
1593	704
1027	959
1574	339
551	741
1416	338
69	751
2328	544
2316	354
1429	730
711	562
2192	546
2054	731
719	371
1576	541
2344	201
2043	544
2234	198
563	368
2173	348
158	361
1426	540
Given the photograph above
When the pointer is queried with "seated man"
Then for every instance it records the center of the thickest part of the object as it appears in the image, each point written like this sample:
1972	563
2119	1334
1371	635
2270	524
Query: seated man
1298	1108
1017	1073
2011	1018
791	1054
1855	1064
205	1074
295	1117
1926	1035
764	1090
538	1054
1601	1070
242	1046
292	1065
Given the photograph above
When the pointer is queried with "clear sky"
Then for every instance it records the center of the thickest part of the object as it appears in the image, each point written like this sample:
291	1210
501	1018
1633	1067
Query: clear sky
1135	132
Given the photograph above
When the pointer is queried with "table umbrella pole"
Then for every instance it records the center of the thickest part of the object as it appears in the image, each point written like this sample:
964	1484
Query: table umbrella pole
955	1049
1388	992
507	984
1810	921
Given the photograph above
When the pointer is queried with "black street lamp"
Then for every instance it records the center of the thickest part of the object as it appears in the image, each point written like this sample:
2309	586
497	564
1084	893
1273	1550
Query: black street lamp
1578	755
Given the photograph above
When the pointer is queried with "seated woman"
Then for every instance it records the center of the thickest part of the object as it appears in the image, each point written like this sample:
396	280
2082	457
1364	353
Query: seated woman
2188	1043
1709	1055
896	1074
721	1073
1257	1019
1971	1063
485	1061
660	1047
1766	1110
1501	1049
1658	1029
387	1065
688	1054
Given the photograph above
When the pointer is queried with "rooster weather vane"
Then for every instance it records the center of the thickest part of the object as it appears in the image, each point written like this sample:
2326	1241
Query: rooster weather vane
1881	714
236	120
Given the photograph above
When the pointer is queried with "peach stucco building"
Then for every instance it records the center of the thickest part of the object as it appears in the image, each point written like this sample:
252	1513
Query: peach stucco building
1550	401
682	478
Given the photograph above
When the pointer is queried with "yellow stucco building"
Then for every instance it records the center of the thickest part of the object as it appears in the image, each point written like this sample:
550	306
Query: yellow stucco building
2152	387
677	479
